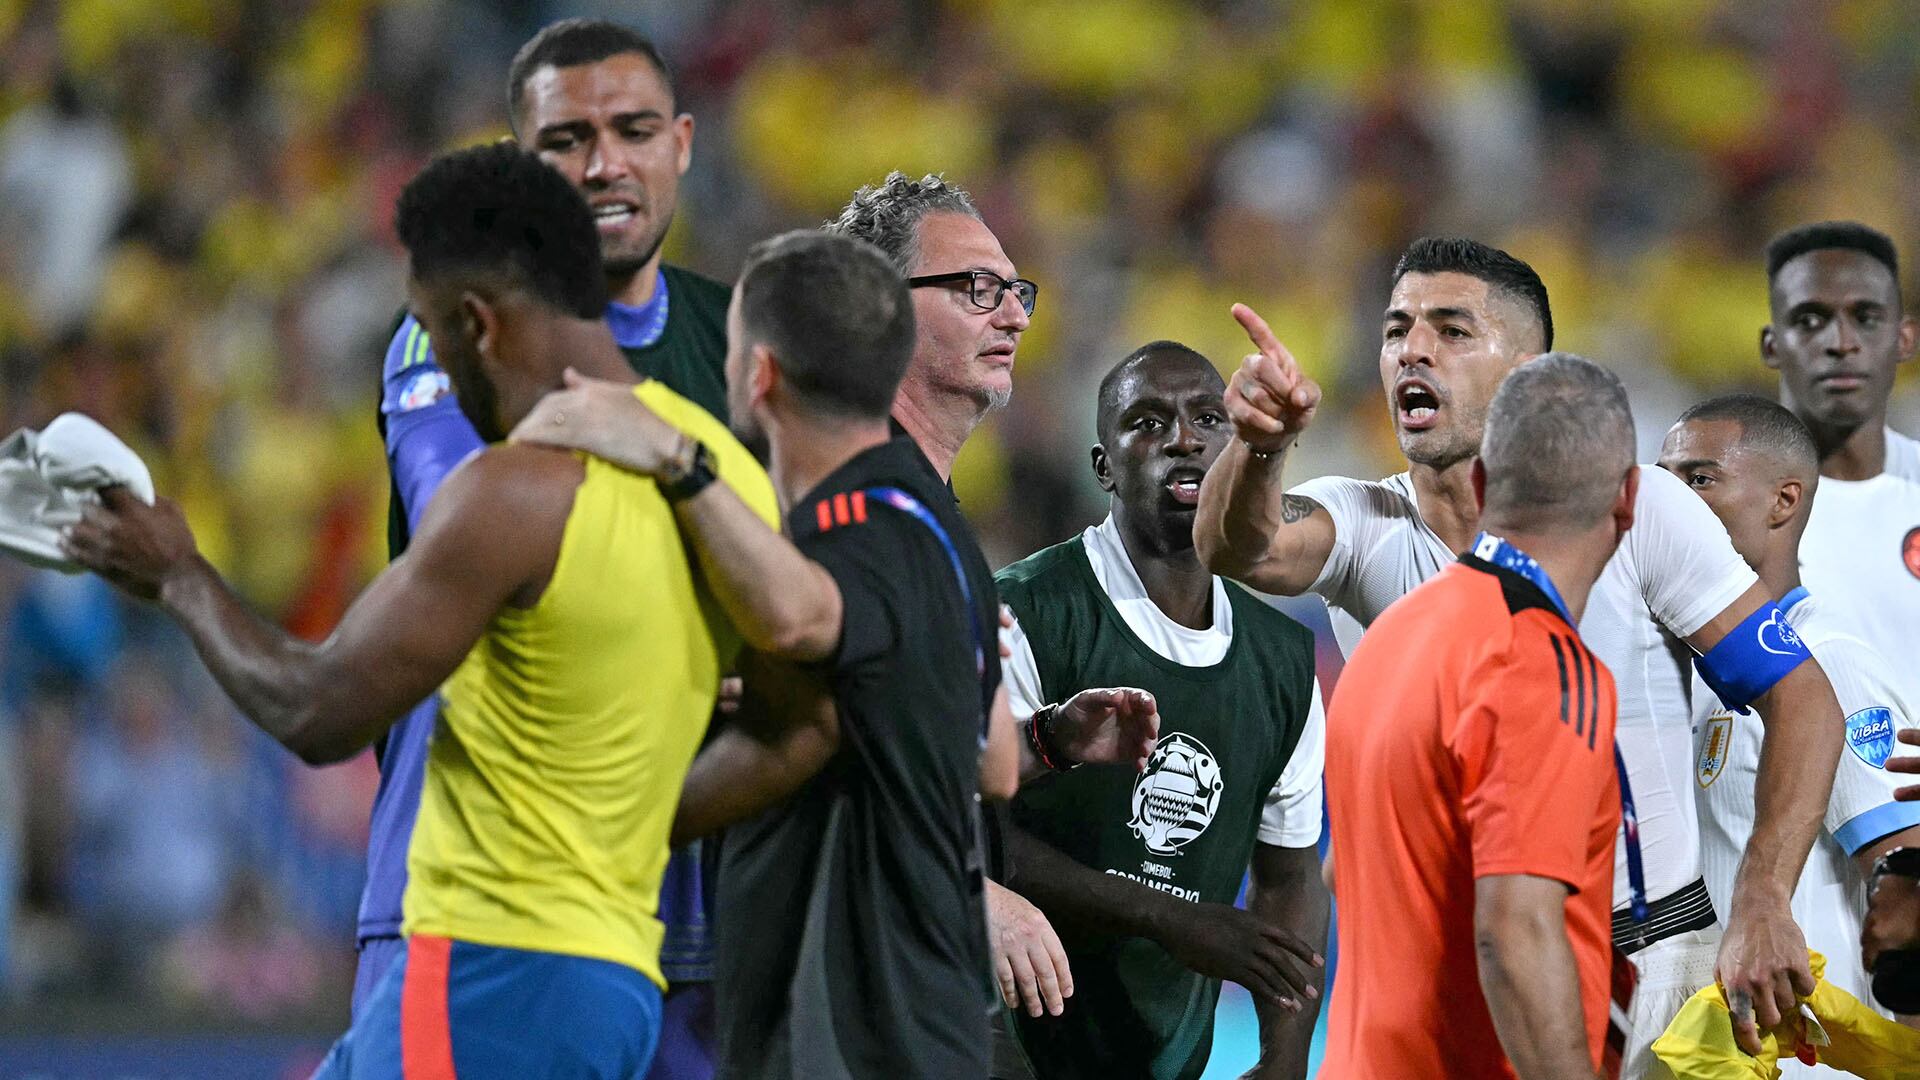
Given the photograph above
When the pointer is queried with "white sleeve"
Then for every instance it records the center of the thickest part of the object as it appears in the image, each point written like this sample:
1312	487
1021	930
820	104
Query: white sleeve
1361	511
1686	565
1862	808
1020	673
1291	817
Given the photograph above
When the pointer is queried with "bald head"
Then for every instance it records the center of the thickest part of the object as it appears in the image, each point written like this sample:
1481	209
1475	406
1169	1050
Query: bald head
1125	381
1558	446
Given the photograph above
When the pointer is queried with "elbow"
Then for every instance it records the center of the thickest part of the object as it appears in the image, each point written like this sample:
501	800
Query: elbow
1000	784
802	638
317	737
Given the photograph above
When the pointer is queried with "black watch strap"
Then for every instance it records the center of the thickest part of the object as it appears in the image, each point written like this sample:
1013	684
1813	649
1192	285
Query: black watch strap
693	479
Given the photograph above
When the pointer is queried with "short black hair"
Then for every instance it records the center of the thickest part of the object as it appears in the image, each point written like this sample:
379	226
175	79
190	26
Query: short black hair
837	316
570	43
1501	271
1108	400
1825	235
498	210
1765	425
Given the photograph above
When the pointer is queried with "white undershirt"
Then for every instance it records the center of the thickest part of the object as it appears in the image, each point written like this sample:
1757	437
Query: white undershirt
1291	817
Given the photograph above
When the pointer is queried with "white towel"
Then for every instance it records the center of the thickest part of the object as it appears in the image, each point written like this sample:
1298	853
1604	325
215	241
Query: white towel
48	478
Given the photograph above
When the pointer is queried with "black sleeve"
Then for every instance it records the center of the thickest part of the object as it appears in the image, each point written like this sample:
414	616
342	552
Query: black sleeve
861	559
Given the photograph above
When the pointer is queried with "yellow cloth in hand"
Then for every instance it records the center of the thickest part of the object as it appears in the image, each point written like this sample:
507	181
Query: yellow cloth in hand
1699	1044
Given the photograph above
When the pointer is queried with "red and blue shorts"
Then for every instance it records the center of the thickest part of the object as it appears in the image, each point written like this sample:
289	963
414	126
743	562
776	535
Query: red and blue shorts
452	1009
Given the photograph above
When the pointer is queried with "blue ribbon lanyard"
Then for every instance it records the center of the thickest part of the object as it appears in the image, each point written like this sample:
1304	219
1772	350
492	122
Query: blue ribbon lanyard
1494	549
907	504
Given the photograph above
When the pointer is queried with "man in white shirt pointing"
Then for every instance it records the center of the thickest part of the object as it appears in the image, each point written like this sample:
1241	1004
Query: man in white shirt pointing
1460	316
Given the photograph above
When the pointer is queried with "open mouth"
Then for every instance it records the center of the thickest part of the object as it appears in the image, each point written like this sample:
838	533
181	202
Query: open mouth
1418	405
1184	484
614	215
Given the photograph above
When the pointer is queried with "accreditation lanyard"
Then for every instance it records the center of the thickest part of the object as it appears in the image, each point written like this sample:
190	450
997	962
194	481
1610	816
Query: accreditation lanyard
914	508
1496	550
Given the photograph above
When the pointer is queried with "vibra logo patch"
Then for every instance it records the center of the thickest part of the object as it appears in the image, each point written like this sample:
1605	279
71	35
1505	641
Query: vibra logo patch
1870	735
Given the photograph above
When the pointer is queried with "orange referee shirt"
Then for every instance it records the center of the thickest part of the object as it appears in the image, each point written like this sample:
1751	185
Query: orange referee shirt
1470	735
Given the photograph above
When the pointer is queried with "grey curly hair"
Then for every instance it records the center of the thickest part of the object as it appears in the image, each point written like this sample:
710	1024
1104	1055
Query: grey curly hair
887	215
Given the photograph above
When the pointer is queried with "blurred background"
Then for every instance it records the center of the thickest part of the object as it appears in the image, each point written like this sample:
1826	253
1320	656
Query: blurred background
195	248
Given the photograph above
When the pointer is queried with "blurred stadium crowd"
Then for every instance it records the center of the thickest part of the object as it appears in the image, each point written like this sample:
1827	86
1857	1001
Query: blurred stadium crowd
195	248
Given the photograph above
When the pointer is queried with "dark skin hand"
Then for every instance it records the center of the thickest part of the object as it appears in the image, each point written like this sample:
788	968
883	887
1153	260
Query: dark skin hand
488	540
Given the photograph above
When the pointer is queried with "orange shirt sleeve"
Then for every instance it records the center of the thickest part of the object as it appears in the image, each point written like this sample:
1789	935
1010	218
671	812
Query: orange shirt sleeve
1534	750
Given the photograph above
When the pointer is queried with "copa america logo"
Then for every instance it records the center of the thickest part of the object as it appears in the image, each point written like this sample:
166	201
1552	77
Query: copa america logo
1175	799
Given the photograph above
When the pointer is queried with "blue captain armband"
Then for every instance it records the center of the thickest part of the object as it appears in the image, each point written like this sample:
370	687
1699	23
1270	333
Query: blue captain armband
1752	657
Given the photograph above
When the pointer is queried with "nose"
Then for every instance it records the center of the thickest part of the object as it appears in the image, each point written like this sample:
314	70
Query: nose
1417	347
1010	316
1846	340
605	163
1186	439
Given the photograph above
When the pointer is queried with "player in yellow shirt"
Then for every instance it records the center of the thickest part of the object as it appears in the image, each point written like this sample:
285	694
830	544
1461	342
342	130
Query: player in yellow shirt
550	599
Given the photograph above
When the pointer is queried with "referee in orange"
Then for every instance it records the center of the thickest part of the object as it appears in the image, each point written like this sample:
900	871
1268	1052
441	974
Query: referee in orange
1471	781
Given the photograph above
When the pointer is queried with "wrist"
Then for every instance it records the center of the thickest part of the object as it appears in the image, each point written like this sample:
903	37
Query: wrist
1041	738
181	580
688	472
1267	453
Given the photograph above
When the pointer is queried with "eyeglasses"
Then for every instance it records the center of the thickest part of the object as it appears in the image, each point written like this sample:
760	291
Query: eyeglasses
985	289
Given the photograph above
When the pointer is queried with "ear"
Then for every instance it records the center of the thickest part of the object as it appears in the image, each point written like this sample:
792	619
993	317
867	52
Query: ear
763	371
1479	477
1787	498
1909	335
1767	354
1623	502
481	321
683	135
1102	468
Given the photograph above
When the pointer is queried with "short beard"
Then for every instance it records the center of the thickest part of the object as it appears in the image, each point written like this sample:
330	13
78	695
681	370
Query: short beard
625	266
1435	455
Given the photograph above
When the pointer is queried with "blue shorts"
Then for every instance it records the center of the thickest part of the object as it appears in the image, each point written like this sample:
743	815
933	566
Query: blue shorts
451	1008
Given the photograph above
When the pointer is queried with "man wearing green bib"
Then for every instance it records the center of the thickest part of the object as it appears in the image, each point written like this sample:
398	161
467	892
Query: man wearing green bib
1138	872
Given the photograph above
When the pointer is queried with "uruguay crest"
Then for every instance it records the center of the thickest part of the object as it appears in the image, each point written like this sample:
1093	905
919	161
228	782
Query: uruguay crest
1713	750
1175	799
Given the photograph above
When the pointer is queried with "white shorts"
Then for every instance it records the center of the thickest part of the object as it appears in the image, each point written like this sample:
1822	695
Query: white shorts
1671	971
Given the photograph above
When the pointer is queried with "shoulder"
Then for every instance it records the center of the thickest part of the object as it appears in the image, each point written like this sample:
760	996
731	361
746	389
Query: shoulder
1903	456
1390	497
1047	564
510	500
732	462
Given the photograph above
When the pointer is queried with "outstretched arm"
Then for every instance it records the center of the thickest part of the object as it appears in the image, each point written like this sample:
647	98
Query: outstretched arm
1248	528
489	538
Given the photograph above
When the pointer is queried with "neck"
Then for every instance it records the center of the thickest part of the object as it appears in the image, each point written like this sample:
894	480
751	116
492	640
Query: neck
1860	454
1447	502
1170	569
1779	567
636	288
804	450
1573	561
585	345
938	423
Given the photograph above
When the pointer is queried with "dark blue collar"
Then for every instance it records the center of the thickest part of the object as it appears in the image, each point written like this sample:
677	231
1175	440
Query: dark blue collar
640	327
1493	549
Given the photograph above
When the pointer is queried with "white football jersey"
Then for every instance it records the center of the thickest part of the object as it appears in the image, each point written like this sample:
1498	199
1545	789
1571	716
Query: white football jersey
1861	551
1292	814
1878	700
1675	570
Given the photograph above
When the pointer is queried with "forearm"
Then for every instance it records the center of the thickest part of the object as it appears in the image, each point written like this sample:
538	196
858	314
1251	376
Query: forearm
1800	750
1300	903
1248	528
1532	990
737	776
1081	897
783	603
276	679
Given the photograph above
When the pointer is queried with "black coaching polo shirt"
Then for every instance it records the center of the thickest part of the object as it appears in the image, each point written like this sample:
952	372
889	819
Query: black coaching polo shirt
850	924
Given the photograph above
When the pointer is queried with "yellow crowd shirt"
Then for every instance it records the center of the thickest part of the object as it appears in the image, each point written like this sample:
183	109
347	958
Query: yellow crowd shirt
566	733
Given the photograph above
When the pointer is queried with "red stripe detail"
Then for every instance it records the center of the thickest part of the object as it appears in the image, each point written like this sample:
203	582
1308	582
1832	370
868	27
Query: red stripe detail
825	515
841	515
860	506
426	1038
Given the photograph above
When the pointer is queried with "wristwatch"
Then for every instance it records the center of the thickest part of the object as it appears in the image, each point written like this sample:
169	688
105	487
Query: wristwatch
689	474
